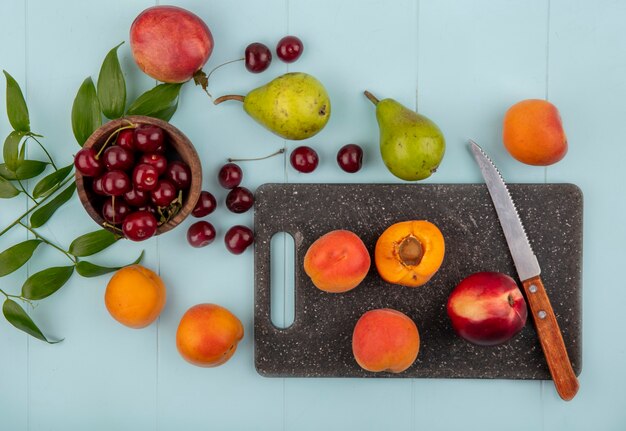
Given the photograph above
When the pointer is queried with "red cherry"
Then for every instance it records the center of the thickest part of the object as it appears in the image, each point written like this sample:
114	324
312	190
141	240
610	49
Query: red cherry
206	205
163	194
200	234
304	159
179	174
230	176
158	160
118	158
289	49
115	212
257	57
239	200
145	177
350	158
86	162
136	197
96	186
148	138
126	139
115	183
238	238
139	226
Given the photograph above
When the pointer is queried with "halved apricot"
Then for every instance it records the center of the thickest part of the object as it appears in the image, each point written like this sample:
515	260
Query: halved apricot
409	253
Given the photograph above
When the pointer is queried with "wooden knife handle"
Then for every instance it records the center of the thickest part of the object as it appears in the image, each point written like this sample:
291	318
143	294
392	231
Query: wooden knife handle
551	339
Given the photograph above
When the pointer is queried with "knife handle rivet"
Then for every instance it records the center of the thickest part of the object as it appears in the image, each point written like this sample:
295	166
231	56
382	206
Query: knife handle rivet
532	288
542	314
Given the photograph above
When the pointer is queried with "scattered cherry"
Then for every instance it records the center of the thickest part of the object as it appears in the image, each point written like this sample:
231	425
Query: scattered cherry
148	138
350	158
206	205
257	57
304	159
163	194
289	49
126	139
239	200
136	197
139	226
230	176
179	174
200	234
115	183
115	211
87	163
238	238
158	160
118	158
145	177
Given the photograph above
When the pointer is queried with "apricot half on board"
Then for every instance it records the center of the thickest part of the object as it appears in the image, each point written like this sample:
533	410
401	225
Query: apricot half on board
337	261
409	253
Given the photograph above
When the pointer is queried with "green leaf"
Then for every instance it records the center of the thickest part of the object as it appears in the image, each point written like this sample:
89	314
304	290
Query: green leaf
7	190
17	317
86	115
49	182
11	148
14	257
41	215
27	169
17	110
88	269
159	102
44	283
92	243
111	86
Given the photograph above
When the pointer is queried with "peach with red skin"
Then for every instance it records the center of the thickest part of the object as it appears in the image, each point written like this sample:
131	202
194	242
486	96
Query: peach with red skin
487	308
169	43
337	261
208	334
385	340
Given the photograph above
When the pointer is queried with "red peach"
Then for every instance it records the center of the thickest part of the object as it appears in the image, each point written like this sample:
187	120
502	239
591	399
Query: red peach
170	43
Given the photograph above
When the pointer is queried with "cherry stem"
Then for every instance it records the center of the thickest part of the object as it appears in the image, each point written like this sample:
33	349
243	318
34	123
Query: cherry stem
115	133
371	97
228	97
281	151
111	226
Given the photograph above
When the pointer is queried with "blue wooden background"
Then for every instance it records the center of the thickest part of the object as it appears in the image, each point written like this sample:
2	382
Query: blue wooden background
462	63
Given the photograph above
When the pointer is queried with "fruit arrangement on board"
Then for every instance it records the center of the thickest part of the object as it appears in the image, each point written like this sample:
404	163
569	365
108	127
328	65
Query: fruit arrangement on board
138	176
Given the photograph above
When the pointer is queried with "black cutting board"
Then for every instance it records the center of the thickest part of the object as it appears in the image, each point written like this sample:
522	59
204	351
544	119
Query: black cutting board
318	343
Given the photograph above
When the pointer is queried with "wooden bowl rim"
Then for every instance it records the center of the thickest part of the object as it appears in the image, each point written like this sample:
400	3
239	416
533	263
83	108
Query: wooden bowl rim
179	139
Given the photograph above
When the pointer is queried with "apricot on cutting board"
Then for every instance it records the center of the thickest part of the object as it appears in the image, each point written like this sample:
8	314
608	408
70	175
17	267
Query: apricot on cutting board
409	253
337	261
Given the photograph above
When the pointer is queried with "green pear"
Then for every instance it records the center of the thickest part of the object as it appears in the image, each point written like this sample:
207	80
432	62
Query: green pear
294	105
411	145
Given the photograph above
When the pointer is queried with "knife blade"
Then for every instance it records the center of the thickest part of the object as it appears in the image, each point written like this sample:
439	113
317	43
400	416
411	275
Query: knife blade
529	273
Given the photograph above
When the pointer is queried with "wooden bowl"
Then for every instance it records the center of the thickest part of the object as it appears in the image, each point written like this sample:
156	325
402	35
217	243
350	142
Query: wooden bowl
179	147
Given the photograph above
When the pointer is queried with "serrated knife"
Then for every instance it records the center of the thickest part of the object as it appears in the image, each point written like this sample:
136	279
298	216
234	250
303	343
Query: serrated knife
529	273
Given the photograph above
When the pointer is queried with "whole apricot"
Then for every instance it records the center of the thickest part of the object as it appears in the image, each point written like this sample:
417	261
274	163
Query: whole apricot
409	253
385	340
135	296
533	132
337	261
208	334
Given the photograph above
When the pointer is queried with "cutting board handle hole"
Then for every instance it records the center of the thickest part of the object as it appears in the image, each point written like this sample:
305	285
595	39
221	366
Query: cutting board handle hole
282	279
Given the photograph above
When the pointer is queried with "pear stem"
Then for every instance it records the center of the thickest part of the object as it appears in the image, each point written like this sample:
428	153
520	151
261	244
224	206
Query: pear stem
228	97
371	97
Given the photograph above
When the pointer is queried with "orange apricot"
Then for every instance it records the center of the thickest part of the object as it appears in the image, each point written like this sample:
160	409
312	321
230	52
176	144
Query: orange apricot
337	261
385	340
409	253
533	133
135	296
